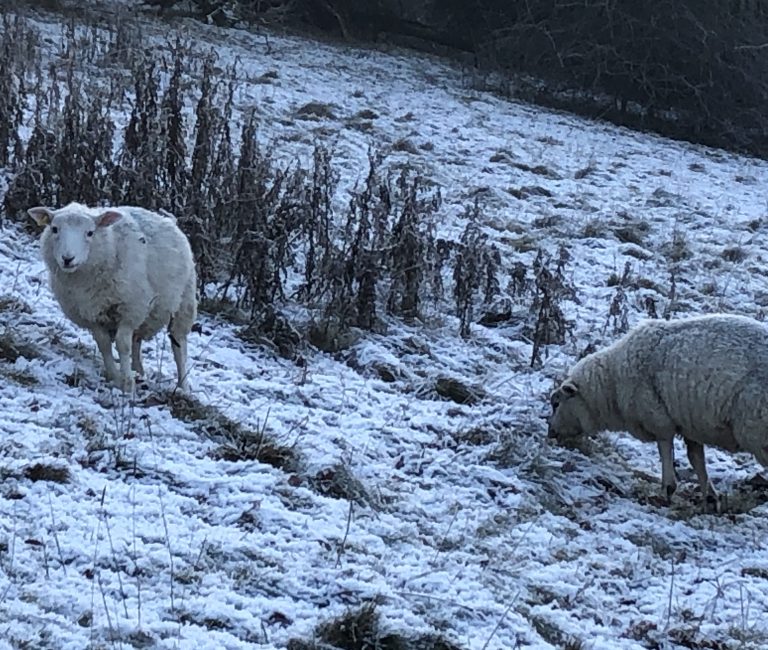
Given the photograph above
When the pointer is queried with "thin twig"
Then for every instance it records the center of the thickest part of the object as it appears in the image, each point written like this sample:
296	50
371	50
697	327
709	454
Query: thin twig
55	536
106	610
168	546
114	561
136	555
341	547
671	591
500	621
447	532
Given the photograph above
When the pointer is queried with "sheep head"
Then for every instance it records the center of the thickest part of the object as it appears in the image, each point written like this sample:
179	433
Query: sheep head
571	416
70	233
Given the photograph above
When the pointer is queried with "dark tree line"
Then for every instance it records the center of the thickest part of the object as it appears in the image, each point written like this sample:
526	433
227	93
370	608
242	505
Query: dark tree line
692	69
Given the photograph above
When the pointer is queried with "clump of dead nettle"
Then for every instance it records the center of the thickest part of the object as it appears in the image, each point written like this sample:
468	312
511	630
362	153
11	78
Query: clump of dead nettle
270	241
552	288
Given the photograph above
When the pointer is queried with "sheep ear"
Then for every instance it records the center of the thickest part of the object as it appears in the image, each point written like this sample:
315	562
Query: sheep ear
41	215
569	389
108	218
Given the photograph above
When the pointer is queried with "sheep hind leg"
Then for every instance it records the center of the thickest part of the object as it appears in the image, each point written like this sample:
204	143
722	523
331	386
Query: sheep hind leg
178	335
136	363
668	478
762	457
698	461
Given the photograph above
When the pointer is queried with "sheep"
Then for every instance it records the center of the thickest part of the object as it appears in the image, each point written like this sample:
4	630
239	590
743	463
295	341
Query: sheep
702	377
123	273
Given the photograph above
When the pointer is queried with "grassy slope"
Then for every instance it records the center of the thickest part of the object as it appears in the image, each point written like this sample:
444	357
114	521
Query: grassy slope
459	520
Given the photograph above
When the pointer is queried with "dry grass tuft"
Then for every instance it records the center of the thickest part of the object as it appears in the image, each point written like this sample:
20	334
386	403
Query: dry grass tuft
361	629
236	443
47	472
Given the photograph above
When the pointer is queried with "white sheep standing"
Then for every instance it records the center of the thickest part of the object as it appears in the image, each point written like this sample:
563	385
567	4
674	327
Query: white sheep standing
123	273
704	377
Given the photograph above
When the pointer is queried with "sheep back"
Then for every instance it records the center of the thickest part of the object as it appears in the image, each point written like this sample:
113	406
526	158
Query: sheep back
170	271
701	377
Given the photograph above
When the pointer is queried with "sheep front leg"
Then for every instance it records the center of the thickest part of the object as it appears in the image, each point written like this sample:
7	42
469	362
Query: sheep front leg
123	343
104	342
698	462
668	479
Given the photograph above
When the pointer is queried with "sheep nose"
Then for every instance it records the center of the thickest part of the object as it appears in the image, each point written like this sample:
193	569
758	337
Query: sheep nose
67	260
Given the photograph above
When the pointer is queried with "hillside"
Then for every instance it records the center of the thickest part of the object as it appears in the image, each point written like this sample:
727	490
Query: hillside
284	493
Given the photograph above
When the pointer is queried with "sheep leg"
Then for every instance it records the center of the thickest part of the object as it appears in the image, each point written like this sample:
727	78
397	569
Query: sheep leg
180	357
668	478
136	362
178	338
123	343
698	462
104	342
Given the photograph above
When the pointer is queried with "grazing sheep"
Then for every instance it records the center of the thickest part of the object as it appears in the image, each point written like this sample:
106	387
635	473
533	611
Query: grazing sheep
123	273
704	378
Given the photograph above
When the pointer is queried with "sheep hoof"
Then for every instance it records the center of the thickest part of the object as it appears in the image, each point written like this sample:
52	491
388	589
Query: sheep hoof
669	490
713	502
126	384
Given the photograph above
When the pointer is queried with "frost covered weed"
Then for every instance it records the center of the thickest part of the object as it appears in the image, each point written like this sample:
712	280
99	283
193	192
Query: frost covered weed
15	45
618	312
552	287
475	269
382	257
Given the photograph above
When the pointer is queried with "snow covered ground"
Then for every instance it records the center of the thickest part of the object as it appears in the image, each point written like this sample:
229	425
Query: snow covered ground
124	525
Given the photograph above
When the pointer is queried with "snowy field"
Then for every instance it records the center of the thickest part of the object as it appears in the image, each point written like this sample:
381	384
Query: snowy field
127	525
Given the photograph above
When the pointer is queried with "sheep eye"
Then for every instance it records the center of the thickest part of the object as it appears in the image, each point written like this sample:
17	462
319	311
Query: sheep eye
89	233
54	229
